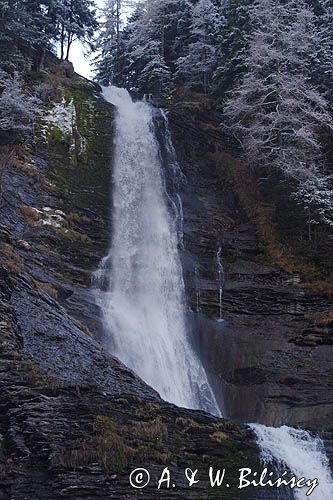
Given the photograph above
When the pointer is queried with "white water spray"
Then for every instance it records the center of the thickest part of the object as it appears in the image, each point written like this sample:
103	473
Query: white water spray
303	454
143	304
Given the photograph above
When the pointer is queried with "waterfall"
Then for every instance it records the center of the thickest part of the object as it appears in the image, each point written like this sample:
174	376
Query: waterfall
141	284
221	280
302	454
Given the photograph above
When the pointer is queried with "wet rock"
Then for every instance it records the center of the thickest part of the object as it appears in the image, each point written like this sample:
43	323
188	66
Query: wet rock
267	338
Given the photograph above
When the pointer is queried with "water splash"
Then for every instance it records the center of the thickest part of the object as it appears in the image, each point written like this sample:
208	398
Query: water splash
143	305
301	453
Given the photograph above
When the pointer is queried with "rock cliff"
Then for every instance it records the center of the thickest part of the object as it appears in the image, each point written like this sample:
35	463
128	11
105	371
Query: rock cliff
270	359
74	421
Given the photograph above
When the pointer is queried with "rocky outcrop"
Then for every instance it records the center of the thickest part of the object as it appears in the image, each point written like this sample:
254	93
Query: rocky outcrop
74	422
82	438
270	359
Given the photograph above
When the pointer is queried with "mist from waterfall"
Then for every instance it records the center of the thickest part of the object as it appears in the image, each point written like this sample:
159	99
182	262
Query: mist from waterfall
141	284
301	453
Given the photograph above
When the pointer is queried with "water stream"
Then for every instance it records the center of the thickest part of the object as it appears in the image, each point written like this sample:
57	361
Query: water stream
221	281
300	453
140	287
141	283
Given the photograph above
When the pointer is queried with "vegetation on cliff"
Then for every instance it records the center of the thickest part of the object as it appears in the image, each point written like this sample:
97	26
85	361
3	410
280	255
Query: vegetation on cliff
258	64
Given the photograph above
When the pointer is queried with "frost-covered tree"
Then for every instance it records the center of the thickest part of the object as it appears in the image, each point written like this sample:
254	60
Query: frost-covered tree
140	63
323	63
18	109
76	21
108	42
155	76
197	66
149	45
275	113
27	29
315	194
235	30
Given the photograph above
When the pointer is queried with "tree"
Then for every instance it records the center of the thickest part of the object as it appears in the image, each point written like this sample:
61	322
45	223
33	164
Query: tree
27	29
76	21
140	63
108	42
197	66
148	46
155	76
323	64
18	109
235	30
275	113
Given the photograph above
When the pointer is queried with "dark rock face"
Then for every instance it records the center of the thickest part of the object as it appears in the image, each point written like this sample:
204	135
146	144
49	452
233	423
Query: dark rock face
81	439
74	421
270	359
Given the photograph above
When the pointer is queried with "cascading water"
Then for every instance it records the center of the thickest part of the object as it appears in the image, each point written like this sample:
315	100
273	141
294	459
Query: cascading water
221	280
302	454
143	298
141	289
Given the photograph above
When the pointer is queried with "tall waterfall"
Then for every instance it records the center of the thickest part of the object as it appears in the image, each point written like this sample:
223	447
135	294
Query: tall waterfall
143	298
301	453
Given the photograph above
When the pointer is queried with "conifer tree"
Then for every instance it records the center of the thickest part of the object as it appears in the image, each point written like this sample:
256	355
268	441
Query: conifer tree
197	66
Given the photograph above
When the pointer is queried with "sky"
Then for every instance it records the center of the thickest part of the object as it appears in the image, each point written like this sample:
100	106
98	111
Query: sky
82	64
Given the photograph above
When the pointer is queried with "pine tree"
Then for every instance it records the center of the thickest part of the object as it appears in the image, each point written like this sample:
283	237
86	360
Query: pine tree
141	64
197	66
108	42
27	29
235	31
76	21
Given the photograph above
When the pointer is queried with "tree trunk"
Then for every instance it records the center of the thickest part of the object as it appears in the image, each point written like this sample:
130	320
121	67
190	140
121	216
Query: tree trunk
62	42
69	44
40	63
118	21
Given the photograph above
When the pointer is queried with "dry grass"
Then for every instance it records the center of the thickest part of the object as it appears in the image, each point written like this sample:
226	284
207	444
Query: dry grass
153	430
113	447
262	214
219	437
324	286
322	318
48	288
31	215
83	328
10	258
106	447
22	162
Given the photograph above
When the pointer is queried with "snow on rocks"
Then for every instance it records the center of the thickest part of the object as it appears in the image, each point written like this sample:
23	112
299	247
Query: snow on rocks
62	116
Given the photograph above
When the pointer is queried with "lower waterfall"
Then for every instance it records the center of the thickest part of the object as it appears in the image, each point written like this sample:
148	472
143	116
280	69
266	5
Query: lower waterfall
299	452
141	284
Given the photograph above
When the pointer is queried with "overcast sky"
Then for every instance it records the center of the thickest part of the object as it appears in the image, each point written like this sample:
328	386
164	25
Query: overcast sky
82	64
76	56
